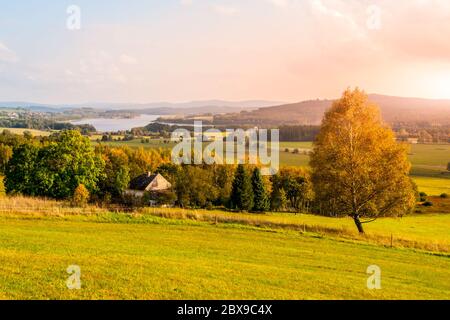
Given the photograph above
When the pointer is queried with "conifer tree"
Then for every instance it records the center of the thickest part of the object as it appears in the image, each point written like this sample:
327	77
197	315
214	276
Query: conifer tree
242	190
261	199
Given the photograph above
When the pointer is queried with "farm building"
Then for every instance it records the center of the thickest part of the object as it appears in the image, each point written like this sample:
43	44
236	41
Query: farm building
147	182
413	140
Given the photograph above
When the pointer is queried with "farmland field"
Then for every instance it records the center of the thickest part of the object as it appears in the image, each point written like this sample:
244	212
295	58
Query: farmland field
432	186
36	133
136	143
180	259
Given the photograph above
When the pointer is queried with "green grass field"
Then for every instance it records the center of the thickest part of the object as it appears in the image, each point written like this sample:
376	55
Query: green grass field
428	230
182	259
432	186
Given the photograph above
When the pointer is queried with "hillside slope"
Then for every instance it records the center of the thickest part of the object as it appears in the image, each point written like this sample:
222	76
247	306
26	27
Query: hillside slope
393	109
169	259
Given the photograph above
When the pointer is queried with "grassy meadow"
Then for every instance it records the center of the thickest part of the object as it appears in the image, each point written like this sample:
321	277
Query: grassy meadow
181	254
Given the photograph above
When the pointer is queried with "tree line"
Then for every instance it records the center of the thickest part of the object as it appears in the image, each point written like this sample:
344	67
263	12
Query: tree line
40	123
57	165
240	187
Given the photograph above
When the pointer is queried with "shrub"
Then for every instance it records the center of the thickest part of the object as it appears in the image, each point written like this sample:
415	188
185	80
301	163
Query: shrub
2	187
209	206
166	198
428	204
444	195
134	202
80	196
423	197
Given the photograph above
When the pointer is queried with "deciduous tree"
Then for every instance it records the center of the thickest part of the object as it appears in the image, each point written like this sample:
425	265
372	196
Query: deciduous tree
358	168
278	199
116	174
20	173
68	161
296	184
6	153
80	196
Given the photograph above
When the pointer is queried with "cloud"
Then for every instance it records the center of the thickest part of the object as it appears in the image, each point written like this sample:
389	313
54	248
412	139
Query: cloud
186	2
320	6
418	30
225	10
127	59
332	10
98	67
7	55
279	3
322	46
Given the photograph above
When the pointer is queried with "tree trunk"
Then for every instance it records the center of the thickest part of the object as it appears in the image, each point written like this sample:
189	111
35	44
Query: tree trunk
358	223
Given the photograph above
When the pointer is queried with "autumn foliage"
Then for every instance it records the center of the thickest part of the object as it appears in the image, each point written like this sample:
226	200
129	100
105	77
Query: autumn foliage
80	196
358	167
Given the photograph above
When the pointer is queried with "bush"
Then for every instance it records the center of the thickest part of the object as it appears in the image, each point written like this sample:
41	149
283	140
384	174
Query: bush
444	195
2	187
133	202
428	204
163	198
423	196
80	196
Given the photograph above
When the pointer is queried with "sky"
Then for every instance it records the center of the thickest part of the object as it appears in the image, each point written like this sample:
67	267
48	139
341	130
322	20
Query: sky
139	51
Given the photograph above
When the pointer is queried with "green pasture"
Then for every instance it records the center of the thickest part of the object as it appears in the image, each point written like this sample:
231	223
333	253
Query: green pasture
180	259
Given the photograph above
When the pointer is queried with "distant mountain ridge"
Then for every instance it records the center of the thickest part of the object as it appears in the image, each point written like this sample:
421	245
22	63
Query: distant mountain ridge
156	108
310	112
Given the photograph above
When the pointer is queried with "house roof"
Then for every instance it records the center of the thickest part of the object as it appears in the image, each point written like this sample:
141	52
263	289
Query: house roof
142	182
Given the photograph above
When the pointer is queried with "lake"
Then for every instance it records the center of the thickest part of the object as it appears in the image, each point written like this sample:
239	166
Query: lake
118	124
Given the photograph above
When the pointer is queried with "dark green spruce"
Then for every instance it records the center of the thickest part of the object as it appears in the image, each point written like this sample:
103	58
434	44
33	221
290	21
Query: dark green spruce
242	190
261	202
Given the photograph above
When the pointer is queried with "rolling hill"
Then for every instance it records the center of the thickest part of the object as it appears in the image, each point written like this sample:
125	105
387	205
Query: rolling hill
393	109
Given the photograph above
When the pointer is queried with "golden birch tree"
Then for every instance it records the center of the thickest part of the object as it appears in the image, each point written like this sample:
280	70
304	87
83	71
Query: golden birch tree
359	169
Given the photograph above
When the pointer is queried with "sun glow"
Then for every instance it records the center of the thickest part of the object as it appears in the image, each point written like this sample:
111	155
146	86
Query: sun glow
438	85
